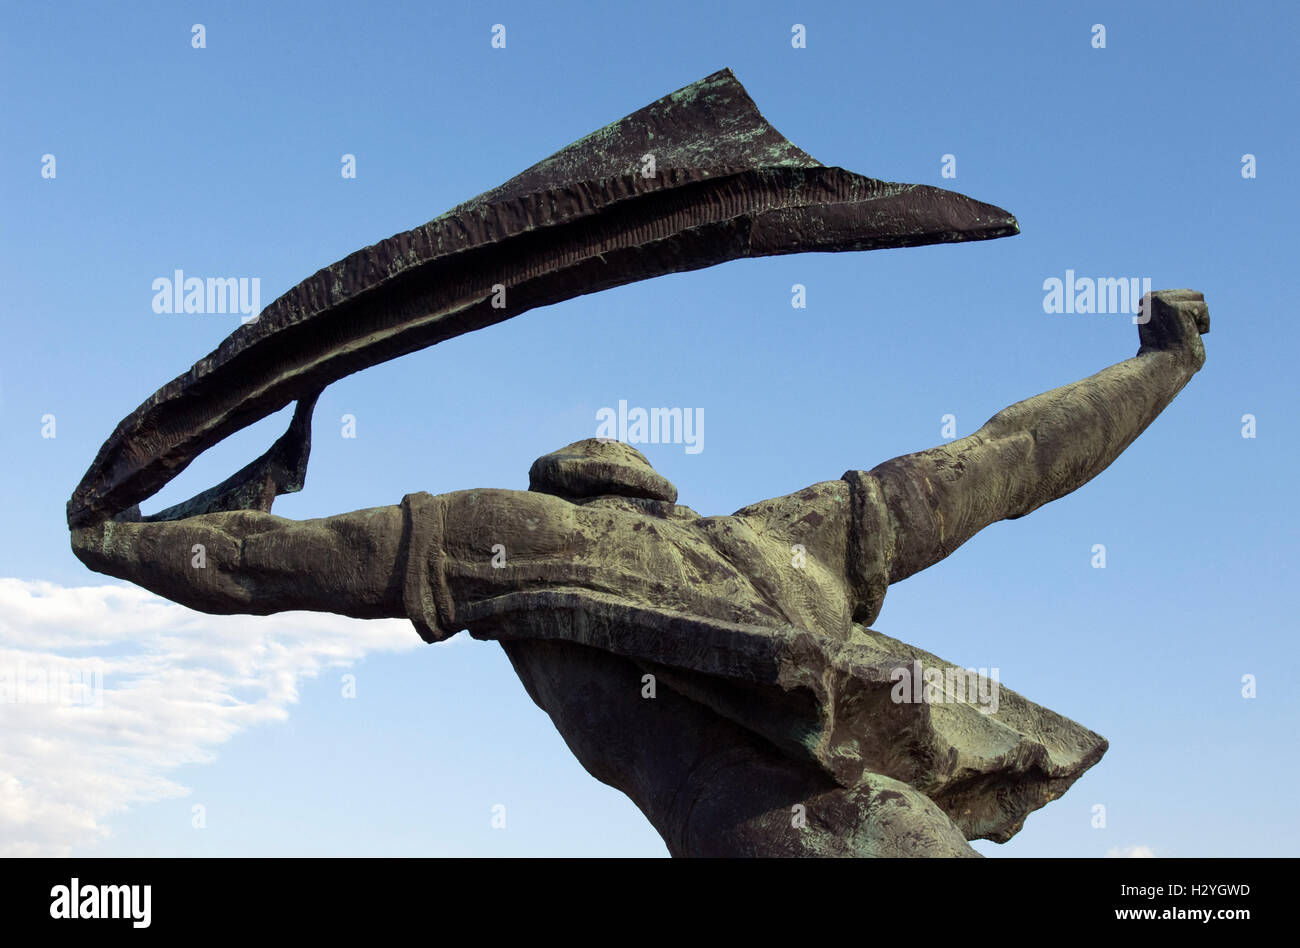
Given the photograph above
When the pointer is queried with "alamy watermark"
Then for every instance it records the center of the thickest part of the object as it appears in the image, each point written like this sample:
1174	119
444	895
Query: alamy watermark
1103	295
22	683
652	426
78	900
213	295
914	684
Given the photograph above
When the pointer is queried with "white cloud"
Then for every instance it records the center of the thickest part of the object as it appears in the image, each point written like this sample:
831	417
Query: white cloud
1130	852
175	684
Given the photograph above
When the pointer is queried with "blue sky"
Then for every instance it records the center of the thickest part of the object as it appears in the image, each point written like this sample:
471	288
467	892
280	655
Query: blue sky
1122	161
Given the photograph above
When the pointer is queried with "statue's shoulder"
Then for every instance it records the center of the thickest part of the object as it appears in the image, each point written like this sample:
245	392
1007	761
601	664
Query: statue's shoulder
812	505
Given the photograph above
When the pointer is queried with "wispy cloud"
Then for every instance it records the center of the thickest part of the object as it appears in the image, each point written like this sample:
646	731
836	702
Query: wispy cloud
175	684
1130	852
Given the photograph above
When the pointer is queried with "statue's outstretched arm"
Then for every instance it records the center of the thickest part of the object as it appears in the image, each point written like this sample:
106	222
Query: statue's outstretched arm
1043	447
255	563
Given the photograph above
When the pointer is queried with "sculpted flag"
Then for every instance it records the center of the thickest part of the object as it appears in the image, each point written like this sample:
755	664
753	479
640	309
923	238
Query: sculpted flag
694	179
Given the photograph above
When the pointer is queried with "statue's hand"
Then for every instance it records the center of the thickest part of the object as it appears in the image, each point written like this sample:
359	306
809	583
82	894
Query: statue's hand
1174	322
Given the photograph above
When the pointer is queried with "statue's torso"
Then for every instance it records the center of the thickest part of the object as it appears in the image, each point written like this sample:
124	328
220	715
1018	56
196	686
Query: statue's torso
778	564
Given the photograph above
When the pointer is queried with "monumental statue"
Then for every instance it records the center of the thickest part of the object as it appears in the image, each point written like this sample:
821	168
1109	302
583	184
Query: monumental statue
722	671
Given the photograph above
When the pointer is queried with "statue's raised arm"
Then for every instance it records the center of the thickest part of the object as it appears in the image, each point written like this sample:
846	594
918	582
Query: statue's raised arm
1042	448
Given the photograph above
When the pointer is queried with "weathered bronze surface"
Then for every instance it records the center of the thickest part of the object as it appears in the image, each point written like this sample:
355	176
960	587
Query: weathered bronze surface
726	185
734	692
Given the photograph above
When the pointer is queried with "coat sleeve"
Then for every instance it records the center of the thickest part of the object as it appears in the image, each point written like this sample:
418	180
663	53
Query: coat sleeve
425	592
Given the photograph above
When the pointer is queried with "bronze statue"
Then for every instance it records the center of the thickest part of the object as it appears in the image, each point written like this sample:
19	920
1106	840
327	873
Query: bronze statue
720	671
